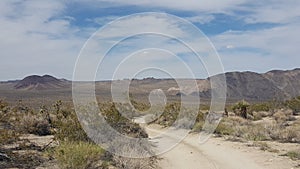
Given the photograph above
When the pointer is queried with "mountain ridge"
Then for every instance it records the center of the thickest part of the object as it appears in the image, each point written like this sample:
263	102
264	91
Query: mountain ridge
274	84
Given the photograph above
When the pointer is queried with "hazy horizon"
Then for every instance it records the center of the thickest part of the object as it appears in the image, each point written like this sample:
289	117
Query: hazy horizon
140	78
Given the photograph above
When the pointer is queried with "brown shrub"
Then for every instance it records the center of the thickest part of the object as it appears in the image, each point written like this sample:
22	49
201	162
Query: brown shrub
280	117
33	124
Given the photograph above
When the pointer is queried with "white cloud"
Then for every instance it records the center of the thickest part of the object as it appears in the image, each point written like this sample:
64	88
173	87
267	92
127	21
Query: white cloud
103	20
145	31
201	18
36	38
188	5
230	47
260	49
272	11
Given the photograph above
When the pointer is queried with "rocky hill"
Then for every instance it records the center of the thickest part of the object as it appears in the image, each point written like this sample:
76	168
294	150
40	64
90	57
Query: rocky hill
36	82
276	84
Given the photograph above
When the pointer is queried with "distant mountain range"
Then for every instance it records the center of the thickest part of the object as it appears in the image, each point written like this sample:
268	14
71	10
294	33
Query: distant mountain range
276	84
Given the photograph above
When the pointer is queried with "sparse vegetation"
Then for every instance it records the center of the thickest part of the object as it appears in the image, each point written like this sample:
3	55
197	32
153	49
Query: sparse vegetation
169	115
259	107
241	109
79	155
294	155
294	104
75	149
264	146
261	122
258	122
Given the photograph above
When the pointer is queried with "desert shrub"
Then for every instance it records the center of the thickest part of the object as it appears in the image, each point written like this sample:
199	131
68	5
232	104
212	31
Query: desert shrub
232	126
290	134
198	126
137	150
123	125
201	117
256	133
8	136
259	107
294	155
33	124
280	117
140	150
140	106
4	108
134	163
23	120
169	115
200	120
294	104
257	116
244	129
64	123
241	109
264	146
79	155
224	128
69	128
26	160
7	115
204	107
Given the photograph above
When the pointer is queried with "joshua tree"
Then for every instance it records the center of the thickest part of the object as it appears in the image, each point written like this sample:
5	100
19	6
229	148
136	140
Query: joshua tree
240	108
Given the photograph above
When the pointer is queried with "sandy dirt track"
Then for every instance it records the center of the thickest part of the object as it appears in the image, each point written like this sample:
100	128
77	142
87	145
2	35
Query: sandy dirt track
218	153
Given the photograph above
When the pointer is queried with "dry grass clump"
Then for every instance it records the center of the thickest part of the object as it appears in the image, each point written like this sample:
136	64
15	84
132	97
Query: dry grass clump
136	150
231	126
280	117
33	124
8	136
264	146
279	128
256	132
259	115
170	114
260	107
134	163
294	155
79	155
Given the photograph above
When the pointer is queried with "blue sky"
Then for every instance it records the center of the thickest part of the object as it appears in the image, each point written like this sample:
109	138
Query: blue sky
46	36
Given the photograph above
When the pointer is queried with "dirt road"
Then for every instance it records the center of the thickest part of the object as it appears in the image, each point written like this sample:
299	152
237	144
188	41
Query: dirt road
218	153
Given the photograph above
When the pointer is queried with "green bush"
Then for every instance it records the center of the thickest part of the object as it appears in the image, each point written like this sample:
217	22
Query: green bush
170	114
294	155
294	104
69	128
259	107
79	155
241	109
123	125
224	128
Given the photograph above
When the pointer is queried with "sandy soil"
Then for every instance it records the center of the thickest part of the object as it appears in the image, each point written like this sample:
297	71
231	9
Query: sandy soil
217	153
